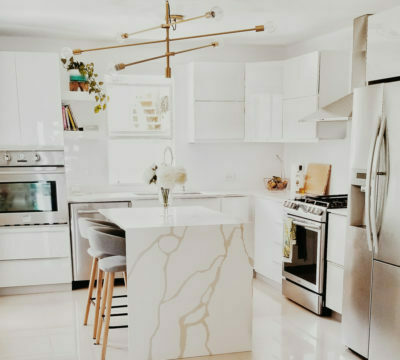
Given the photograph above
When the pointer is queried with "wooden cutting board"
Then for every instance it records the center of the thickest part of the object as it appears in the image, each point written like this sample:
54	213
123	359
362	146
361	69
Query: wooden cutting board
317	179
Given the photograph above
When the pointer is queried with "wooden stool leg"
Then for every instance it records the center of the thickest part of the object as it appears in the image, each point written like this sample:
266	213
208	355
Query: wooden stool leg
98	300
90	290
108	313
103	307
125	279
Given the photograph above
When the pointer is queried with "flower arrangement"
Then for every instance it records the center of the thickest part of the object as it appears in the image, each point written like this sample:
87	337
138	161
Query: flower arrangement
166	177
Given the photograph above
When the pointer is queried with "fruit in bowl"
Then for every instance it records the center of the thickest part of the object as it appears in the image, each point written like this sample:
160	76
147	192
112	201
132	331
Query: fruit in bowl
275	183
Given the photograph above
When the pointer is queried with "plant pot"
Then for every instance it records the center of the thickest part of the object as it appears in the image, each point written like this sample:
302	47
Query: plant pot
165	197
78	86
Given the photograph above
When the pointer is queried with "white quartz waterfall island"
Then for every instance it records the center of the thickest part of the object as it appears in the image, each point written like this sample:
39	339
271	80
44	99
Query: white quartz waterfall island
189	282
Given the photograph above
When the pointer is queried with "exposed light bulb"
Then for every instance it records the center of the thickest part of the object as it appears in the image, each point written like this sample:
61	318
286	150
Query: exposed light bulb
121	37
66	53
270	27
216	13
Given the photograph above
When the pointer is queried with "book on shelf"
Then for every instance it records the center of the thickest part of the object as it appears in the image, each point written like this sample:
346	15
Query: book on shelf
69	121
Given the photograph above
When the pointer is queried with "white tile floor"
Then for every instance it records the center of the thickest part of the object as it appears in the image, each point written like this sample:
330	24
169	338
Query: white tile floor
49	327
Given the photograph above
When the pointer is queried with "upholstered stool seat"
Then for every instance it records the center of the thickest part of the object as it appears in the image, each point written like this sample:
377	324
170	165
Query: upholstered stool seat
96	253
113	264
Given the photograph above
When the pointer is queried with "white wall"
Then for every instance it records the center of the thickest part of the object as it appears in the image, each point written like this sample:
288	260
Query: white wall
335	153
210	166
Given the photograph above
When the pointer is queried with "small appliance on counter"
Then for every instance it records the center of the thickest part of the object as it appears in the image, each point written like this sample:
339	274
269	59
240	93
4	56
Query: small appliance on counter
304	248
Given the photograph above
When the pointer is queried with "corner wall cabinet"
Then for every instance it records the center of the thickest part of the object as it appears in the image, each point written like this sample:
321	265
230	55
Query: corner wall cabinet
30	114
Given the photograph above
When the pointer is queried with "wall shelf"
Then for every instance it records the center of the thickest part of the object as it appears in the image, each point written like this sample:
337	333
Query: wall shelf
86	135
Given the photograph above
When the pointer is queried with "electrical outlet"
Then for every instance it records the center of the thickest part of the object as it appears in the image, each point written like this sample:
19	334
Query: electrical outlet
230	177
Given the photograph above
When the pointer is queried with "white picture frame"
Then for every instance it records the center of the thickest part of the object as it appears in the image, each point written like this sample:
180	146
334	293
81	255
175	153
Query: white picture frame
139	106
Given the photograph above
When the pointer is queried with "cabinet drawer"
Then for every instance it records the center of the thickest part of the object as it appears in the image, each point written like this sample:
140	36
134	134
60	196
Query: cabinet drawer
34	242
221	120
35	272
336	238
334	287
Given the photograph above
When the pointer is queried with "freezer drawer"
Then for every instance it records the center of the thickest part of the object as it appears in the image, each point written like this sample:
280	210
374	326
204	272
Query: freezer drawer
81	261
385	312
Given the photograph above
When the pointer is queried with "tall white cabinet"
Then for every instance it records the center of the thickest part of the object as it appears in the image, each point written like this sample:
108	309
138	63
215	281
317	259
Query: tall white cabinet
30	114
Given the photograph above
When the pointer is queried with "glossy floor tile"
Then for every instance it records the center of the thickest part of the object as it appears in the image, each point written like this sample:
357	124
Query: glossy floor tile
49	327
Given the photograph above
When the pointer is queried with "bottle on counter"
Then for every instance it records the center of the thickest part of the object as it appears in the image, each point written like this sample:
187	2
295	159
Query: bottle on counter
300	180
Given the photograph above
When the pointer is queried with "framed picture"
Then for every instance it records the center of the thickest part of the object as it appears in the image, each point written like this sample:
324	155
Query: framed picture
139	106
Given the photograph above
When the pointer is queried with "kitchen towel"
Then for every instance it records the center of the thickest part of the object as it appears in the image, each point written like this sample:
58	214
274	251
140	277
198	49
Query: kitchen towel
289	239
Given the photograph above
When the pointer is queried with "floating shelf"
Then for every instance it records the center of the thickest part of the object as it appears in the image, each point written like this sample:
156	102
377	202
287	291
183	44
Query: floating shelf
86	135
77	96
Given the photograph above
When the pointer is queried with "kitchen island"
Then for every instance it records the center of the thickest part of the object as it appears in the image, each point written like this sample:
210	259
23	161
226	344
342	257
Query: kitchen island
190	273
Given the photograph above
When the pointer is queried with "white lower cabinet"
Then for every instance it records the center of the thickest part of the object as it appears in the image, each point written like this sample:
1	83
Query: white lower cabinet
334	287
35	255
337	225
268	232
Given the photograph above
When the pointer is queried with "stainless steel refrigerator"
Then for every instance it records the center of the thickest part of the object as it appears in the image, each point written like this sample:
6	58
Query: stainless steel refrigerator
371	302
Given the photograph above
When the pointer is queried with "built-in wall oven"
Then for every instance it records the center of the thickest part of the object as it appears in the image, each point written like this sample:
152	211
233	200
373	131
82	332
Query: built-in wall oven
32	188
304	270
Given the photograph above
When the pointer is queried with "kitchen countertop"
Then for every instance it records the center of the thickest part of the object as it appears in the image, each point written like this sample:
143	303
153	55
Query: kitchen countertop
155	217
343	212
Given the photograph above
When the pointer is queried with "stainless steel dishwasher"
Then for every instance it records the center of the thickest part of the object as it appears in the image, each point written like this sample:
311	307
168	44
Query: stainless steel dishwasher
81	261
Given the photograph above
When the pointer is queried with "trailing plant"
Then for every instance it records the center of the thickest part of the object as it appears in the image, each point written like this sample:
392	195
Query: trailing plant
87	70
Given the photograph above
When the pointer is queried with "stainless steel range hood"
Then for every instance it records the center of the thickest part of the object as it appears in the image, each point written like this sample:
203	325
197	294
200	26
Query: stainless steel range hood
342	108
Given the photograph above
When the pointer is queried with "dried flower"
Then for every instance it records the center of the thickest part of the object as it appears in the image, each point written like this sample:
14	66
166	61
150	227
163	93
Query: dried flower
150	175
166	176
180	175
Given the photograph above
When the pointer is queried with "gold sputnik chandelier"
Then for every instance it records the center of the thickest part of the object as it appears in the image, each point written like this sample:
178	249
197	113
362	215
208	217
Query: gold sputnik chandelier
171	22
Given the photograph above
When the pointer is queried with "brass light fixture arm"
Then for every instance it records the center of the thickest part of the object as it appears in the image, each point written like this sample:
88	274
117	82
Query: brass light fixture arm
257	28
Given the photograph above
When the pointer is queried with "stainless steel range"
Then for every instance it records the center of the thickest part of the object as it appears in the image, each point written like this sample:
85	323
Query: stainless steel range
304	270
32	188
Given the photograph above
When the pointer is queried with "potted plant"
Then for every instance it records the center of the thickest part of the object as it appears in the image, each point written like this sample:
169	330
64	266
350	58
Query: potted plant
83	77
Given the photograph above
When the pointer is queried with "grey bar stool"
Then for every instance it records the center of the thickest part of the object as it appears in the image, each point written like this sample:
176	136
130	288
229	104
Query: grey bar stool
84	225
112	242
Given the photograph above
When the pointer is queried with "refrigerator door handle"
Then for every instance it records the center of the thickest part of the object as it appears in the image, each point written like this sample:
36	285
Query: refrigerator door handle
368	186
373	194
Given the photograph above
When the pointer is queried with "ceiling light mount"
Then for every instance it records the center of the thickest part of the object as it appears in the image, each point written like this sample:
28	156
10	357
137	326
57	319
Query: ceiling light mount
171	20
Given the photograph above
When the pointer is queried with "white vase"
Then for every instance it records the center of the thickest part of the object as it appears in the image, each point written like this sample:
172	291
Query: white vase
165	197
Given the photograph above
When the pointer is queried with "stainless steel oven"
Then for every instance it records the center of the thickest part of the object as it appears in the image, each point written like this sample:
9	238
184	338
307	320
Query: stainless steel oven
307	264
32	188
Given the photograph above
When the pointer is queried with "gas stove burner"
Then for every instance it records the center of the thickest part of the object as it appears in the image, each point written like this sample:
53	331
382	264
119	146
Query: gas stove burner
327	201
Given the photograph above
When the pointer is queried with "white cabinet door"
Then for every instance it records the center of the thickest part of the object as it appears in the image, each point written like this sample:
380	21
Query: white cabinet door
218	120
237	207
263	115
334	287
293	111
336	238
301	76
268	232
383	53
38	83
218	81
9	114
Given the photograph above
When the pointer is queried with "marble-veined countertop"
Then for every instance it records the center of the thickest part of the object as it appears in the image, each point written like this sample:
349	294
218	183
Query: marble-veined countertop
155	217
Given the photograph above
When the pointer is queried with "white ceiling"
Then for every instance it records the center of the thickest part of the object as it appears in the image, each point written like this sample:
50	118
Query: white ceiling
295	20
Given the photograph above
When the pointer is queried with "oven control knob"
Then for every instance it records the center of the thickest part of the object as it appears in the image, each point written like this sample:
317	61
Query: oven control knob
7	157
36	157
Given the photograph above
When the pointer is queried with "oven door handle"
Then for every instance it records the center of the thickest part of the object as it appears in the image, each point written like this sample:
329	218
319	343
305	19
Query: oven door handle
24	171
307	225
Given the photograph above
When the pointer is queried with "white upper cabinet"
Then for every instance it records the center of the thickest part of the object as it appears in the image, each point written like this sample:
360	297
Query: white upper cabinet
215	93
383	48
30	114
263	93
218	81
9	115
293	111
301	76
38	83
